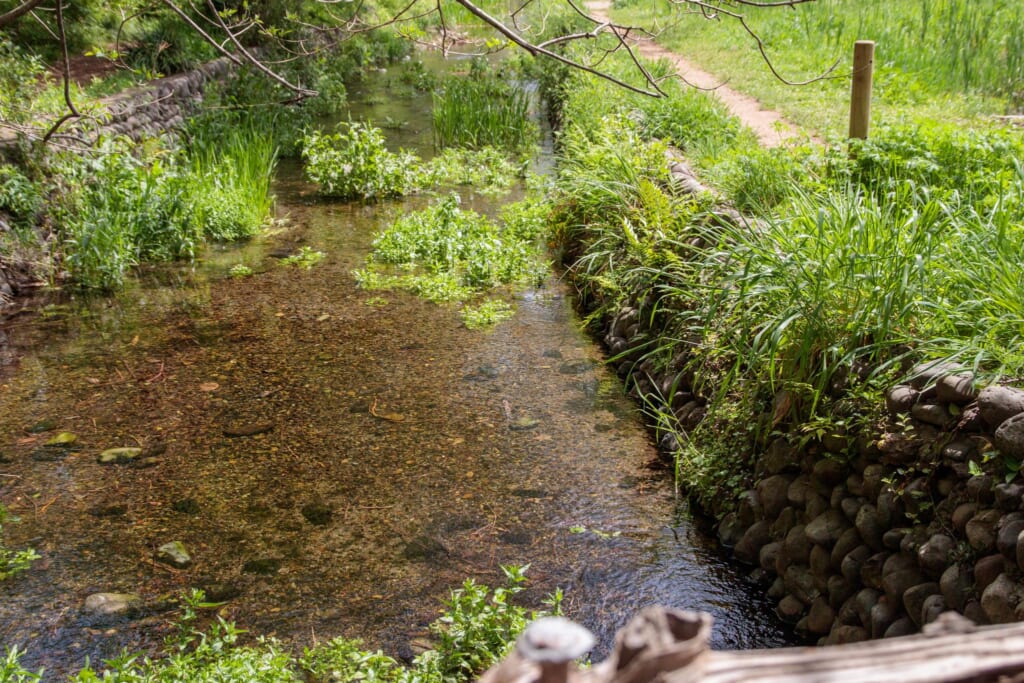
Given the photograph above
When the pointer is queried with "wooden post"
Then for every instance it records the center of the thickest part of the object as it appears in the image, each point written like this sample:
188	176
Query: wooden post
860	95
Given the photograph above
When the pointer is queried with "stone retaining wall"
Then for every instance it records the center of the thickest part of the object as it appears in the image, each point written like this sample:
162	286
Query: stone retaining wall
873	534
146	111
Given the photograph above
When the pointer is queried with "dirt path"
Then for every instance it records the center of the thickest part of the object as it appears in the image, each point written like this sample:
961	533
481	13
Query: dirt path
771	128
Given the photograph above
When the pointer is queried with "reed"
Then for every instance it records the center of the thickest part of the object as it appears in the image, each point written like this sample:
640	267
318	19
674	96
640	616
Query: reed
482	111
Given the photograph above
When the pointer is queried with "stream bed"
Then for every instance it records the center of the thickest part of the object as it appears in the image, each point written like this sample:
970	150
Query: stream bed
391	454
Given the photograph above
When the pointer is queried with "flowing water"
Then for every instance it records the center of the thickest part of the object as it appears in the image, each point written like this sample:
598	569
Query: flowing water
399	453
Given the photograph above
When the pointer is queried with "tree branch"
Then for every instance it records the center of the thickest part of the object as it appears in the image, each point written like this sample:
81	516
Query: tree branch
13	15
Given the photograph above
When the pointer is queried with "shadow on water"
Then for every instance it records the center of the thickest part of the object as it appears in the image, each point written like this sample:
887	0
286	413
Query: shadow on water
397	453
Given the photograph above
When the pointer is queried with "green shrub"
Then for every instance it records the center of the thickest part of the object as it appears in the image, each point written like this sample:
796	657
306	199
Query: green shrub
355	163
20	198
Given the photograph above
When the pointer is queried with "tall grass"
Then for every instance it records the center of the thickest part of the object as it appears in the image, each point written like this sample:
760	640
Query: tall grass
481	111
853	269
231	171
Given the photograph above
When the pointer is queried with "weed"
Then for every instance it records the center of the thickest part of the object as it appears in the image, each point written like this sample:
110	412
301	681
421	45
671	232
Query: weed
240	270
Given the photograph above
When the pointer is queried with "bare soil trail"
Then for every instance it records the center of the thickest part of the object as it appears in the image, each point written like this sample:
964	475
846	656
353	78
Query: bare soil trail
771	128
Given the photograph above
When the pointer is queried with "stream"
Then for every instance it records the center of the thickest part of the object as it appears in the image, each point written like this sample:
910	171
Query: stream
397	452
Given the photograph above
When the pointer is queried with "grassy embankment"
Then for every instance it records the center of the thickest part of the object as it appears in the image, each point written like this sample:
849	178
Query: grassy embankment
908	249
951	60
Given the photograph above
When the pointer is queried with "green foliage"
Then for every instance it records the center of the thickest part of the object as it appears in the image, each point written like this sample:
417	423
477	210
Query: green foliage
909	247
240	270
231	174
489	170
11	670
20	198
355	163
453	252
115	209
11	563
483	110
306	258
341	659
120	206
486	314
20	73
477	628
167	45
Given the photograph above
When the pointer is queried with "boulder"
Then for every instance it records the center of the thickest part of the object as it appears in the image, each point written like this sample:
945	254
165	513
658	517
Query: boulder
826	528
935	554
1009	437
748	548
1000	600
955	586
998	404
900	399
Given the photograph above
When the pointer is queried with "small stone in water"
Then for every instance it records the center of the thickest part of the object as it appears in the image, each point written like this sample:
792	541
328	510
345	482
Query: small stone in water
106	604
118	456
317	513
62	440
187	506
248	429
264	566
174	554
524	423
44	425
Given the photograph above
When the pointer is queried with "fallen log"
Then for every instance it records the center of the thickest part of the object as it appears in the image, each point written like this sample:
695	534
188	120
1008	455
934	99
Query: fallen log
672	646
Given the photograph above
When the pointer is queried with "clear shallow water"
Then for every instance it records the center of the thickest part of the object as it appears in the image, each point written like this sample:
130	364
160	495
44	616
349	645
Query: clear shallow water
389	417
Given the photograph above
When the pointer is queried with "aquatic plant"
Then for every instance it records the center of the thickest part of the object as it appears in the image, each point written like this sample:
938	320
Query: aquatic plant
307	257
482	111
450	253
354	163
488	170
12	562
486	314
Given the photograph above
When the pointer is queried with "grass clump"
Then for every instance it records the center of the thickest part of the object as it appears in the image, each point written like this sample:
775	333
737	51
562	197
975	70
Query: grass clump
354	163
231	176
451	254
481	110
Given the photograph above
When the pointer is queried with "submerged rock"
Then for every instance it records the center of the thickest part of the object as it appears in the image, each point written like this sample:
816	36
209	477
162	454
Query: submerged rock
186	506
424	548
44	425
248	429
111	604
264	566
317	513
174	554
118	456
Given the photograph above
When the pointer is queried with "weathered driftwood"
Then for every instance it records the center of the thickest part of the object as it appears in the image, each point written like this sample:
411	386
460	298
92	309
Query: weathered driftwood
672	646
